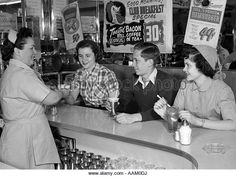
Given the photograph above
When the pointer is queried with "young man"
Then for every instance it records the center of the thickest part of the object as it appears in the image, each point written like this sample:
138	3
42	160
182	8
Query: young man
139	98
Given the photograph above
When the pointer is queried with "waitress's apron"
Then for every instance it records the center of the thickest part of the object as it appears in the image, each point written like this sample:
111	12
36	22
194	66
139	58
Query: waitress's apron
28	143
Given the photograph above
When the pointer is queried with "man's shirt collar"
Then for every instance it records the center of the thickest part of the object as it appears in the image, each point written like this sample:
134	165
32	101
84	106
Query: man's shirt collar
152	78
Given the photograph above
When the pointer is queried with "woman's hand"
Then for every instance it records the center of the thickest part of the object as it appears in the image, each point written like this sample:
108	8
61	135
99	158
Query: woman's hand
160	107
65	92
186	115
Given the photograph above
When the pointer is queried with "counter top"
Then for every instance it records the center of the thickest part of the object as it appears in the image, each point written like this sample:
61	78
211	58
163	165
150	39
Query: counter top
98	122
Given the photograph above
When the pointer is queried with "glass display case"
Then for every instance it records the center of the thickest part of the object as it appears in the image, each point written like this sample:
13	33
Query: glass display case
125	152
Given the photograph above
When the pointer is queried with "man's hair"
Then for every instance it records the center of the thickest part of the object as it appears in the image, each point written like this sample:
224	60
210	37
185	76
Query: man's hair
148	51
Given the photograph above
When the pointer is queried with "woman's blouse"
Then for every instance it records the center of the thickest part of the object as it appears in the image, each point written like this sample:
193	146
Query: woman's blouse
22	90
26	140
215	101
96	86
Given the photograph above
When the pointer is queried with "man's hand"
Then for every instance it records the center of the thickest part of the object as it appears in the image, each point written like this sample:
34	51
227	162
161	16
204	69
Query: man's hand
125	118
160	107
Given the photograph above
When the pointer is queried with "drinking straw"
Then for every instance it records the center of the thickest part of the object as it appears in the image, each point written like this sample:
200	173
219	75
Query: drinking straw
163	98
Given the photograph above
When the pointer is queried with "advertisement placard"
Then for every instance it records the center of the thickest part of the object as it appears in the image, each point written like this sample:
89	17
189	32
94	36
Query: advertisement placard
89	24
129	22
204	22
72	25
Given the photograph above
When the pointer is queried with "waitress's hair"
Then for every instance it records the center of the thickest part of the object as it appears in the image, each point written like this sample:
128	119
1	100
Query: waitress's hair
148	51
8	46
7	50
92	45
201	63
22	35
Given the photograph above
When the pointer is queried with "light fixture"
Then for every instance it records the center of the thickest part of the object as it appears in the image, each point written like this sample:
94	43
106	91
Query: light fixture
10	3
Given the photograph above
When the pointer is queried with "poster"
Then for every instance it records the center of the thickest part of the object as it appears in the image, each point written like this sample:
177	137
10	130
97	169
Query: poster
89	24
127	22
71	25
204	22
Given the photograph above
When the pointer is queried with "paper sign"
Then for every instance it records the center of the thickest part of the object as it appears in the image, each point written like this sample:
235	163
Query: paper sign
89	24
129	22
204	22
71	25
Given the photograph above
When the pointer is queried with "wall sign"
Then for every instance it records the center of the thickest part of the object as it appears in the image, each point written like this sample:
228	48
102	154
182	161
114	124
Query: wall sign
72	25
129	22
204	22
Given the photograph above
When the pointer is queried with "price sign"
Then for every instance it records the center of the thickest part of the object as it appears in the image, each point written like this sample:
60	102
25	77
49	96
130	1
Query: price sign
154	32
204	22
76	37
128	22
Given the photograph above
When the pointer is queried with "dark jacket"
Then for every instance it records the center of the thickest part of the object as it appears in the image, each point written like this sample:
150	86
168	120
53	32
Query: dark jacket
135	99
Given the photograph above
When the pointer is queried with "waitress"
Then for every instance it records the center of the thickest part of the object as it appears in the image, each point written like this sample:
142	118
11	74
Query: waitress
26	141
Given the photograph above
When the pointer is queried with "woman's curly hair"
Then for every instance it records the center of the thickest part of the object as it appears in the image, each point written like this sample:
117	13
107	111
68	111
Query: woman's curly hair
8	46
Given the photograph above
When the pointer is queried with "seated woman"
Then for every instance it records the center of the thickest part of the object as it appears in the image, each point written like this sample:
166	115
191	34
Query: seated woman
94	82
202	100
